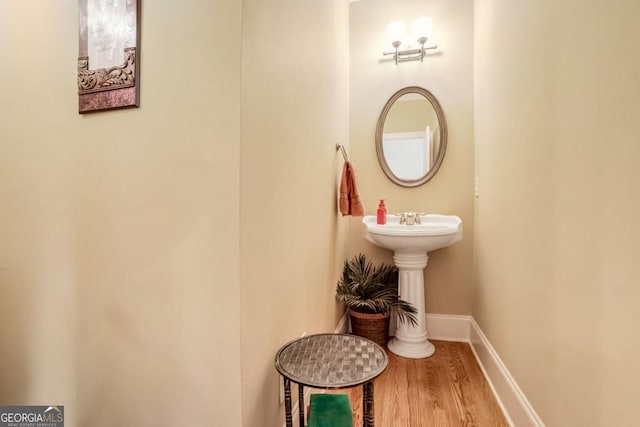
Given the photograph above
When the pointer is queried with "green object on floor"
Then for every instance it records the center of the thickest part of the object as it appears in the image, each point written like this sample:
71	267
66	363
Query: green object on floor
330	410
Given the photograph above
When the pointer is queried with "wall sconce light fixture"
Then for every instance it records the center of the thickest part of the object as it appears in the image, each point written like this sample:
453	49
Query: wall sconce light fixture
396	32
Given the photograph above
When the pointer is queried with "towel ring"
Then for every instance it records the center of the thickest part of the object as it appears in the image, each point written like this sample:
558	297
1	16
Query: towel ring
344	152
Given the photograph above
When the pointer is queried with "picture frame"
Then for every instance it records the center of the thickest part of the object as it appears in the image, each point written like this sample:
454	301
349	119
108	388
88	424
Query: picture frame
108	54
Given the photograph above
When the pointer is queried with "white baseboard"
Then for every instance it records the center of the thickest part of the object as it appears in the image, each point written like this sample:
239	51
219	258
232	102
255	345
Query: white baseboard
514	404
343	324
448	327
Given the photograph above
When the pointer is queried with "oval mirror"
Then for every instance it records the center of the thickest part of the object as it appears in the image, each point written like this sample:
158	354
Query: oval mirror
411	137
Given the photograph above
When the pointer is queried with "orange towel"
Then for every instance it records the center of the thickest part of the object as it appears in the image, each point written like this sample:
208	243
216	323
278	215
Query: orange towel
350	203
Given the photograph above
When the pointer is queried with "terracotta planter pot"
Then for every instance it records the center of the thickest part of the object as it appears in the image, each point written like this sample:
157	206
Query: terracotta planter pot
371	326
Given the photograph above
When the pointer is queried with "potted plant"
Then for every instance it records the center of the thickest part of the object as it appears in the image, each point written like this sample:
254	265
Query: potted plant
371	295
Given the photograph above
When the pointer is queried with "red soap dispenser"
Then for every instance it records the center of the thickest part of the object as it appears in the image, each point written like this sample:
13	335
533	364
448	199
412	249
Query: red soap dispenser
382	213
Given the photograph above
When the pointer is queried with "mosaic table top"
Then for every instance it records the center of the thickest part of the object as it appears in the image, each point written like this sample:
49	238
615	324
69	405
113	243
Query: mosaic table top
331	360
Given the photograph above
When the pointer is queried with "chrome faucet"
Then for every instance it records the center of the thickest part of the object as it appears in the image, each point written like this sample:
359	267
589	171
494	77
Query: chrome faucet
409	218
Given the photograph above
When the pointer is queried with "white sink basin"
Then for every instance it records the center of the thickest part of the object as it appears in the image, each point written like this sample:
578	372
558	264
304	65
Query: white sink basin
410	244
434	232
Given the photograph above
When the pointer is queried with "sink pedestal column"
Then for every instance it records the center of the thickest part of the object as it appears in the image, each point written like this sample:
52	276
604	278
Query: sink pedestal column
411	341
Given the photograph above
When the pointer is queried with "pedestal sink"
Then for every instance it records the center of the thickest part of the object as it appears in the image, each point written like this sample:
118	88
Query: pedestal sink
411	245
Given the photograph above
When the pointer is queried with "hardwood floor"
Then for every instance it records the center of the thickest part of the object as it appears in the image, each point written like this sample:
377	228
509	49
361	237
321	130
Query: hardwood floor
446	390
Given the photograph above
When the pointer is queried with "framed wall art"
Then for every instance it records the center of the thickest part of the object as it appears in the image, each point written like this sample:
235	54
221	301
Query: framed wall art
108	55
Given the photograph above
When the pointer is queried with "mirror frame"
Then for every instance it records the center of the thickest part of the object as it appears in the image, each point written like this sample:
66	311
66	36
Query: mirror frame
442	125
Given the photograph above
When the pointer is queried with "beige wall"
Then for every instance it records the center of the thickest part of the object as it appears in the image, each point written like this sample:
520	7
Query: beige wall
294	110
556	254
449	76
128	235
119	253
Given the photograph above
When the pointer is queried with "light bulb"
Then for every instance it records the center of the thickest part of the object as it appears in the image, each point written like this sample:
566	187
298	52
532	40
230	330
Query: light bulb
422	27
396	32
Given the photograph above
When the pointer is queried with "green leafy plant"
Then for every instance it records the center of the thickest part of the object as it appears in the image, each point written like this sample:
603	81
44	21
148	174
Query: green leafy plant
366	288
